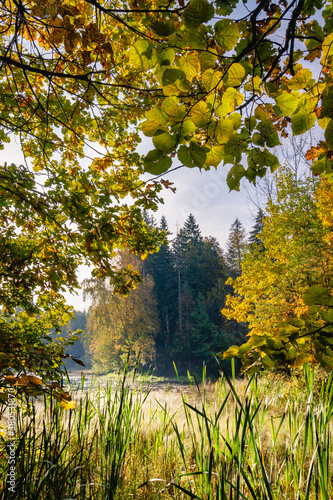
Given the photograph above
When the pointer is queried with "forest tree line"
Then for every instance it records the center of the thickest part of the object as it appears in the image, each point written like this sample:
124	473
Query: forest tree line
175	313
197	300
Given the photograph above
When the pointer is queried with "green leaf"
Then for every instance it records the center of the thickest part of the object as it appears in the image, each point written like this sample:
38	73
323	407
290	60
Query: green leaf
162	28
316	36
324	360
184	157
141	55
327	47
236	120
197	39
259	159
270	89
224	130
197	12
156	120
286	104
235	174
190	65
212	79
245	348
267	362
326	315
302	121
233	151
207	60
173	109
232	352
156	163
301	80
200	114
226	34
327	103
329	134
267	135
198	154
321	166
228	103
236	74
164	141
66	318
215	156
318	295
165	55
188	129
176	88
171	75
225	7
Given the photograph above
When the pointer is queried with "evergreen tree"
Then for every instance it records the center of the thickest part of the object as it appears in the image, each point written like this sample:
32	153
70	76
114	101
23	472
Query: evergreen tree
236	245
161	267
200	265
187	243
191	231
149	219
254	237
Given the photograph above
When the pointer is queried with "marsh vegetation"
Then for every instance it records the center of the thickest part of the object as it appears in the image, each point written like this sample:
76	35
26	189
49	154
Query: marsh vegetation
133	437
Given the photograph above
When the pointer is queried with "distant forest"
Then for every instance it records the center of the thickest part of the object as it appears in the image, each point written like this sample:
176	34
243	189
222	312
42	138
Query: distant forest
174	315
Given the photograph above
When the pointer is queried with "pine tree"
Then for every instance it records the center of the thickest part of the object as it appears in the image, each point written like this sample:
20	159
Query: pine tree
149	219
254	237
236	245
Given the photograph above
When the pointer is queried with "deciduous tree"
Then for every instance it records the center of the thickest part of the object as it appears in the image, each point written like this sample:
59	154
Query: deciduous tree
118	326
284	293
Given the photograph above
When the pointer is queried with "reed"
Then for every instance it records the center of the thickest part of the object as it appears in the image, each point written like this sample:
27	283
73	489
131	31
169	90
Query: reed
249	439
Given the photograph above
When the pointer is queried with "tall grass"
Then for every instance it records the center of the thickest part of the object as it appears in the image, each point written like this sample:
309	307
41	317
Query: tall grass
252	439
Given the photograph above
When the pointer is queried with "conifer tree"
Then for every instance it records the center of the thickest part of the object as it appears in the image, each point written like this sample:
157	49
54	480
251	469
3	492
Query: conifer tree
236	245
254	236
191	231
200	266
160	266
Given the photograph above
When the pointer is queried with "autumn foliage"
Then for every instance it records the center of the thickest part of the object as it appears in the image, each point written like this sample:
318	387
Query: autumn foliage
208	82
284	292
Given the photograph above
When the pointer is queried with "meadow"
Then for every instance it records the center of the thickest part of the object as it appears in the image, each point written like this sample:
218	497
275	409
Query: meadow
131	437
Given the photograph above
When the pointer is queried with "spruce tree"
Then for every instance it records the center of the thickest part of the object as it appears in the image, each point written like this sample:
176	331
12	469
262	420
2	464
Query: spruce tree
200	265
161	267
254	237
236	245
191	230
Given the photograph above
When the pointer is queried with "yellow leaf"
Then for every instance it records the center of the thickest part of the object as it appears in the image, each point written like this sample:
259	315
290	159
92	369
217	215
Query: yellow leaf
68	405
327	49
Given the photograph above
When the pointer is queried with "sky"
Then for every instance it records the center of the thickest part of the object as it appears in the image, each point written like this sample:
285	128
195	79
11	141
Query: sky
205	194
